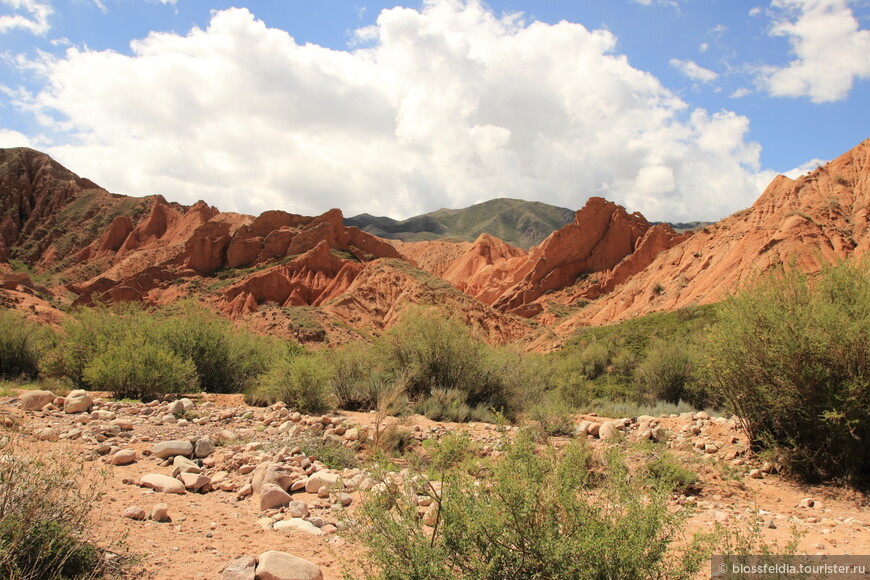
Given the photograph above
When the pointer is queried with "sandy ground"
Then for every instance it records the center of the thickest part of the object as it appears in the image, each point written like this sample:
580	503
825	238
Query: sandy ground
209	530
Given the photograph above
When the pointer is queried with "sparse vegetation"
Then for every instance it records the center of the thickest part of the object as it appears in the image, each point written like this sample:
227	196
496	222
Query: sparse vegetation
532	517
136	353
21	346
301	381
790	357
44	505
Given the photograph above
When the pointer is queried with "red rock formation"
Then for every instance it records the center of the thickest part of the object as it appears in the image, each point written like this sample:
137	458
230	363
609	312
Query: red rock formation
299	283
382	293
602	234
818	218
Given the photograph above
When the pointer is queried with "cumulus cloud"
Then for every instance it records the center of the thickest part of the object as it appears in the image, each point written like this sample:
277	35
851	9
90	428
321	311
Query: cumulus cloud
28	15
10	138
444	106
692	70
805	168
830	50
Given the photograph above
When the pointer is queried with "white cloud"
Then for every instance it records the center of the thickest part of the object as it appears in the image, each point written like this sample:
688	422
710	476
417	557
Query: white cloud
10	138
703	47
693	70
805	168
740	93
671	3
28	15
444	106
830	50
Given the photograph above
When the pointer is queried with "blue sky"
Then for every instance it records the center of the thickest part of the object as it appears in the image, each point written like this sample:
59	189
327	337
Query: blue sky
680	109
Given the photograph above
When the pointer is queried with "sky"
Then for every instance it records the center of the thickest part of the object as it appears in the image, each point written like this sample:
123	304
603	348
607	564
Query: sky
680	109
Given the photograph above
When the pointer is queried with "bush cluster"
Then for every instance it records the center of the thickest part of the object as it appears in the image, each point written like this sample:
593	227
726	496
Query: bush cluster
135	353
536	515
436	363
21	346
791	357
44	529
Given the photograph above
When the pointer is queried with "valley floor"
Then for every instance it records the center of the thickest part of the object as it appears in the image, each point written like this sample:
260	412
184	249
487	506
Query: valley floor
208	530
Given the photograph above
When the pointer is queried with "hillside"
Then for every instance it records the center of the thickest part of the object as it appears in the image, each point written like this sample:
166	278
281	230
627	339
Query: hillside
520	223
66	241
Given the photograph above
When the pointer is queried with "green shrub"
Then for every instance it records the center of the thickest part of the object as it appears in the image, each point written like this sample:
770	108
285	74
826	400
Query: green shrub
84	335
137	368
532	518
331	453
790	358
44	528
21	346
667	372
226	359
301	381
356	382
428	351
554	416
666	470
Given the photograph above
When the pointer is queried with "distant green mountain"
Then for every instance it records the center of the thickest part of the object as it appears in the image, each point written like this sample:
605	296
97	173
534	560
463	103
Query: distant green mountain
515	221
683	227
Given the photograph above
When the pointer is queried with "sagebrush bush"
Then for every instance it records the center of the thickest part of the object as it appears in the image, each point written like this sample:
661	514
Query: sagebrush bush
44	505
667	373
137	368
356	381
301	381
435	352
226	359
21	345
84	335
533	517
223	359
790	357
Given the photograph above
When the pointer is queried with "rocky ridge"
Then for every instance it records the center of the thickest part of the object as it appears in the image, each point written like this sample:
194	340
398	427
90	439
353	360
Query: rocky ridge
608	264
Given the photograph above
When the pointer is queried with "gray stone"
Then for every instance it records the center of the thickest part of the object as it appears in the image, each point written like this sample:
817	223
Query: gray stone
204	448
123	457
272	496
162	483
323	479
274	565
244	568
298	509
298	524
168	449
77	401
35	400
134	513
160	513
176	407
